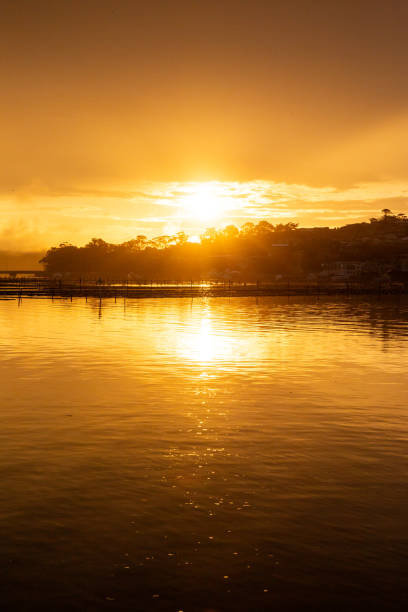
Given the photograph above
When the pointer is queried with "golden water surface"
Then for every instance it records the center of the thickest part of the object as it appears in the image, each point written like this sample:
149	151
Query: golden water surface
214	454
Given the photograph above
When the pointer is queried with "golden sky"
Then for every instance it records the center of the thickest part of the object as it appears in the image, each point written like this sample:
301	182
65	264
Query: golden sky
125	117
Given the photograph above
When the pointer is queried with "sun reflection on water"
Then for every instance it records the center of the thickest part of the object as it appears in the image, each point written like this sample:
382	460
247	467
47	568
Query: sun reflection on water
204	345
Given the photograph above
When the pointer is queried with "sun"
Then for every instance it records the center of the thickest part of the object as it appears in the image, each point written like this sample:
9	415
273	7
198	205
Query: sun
203	202
194	239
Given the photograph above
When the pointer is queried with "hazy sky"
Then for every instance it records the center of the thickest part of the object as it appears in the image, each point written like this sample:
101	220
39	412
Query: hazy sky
113	113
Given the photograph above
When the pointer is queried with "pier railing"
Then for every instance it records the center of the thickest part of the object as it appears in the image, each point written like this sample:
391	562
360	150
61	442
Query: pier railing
64	288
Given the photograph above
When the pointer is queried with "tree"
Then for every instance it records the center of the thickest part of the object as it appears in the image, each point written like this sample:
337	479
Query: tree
285	227
247	228
181	238
264	227
210	235
97	243
160	242
230	232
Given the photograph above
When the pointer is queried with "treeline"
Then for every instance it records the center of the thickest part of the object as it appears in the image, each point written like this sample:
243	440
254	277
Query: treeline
256	250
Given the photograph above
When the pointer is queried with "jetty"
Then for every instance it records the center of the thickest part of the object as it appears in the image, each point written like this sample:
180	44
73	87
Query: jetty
39	285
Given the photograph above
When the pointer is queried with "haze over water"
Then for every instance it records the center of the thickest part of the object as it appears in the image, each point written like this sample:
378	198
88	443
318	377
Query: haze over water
199	455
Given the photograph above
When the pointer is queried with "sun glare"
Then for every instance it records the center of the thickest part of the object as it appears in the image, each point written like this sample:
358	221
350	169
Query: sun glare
205	203
194	239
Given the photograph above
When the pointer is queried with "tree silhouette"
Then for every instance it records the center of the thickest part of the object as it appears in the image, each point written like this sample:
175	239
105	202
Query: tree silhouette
255	251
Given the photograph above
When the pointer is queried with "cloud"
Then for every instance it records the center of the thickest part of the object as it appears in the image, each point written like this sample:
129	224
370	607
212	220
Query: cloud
45	218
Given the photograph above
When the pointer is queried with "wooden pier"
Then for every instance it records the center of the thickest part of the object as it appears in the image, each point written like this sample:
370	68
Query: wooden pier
41	286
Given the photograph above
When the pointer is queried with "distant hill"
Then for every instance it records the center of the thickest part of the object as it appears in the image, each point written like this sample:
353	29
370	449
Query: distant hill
11	260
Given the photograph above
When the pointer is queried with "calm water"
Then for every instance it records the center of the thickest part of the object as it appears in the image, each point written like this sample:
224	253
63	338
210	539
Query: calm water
203	455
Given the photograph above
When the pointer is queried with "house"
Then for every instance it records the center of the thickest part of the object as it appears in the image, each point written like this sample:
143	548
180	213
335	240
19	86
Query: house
343	269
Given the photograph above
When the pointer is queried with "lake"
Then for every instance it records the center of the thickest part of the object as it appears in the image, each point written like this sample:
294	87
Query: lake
209	454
